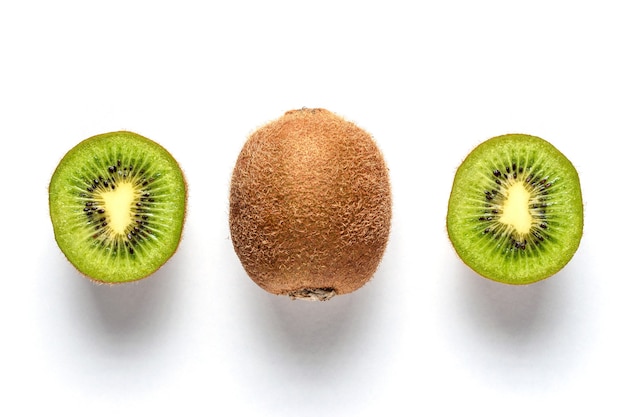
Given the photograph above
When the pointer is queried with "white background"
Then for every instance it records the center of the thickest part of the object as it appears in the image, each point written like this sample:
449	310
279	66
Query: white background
429	80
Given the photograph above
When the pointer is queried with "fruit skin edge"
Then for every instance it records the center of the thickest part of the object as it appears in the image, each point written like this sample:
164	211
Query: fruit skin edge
181	226
466	254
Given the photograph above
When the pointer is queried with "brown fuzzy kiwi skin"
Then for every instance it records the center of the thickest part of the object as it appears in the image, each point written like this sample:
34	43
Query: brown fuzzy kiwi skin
310	205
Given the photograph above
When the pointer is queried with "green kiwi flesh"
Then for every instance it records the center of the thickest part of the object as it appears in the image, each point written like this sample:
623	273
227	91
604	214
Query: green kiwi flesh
515	213
117	204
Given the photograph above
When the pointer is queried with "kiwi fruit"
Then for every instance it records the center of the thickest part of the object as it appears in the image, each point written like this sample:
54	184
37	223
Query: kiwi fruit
117	204
310	205
515	213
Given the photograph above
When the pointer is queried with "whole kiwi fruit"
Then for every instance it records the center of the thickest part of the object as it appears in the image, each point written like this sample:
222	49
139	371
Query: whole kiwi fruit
515	213
310	205
117	204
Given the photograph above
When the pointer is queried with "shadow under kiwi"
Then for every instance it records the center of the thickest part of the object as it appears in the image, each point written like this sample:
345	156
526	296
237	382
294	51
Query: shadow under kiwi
109	320
135	312
317	339
495	308
515	335
106	335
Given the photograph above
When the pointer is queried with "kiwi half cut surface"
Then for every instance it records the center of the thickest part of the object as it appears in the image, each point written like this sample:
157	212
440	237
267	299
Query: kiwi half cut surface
515	213
117	205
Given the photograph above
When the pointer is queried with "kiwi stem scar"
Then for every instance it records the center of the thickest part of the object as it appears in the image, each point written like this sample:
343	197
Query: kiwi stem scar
313	294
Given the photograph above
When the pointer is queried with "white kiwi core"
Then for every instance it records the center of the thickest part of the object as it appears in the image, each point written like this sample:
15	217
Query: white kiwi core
118	206
515	210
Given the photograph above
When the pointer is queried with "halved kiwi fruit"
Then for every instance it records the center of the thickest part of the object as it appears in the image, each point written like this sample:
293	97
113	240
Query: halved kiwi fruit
310	205
515	213
117	205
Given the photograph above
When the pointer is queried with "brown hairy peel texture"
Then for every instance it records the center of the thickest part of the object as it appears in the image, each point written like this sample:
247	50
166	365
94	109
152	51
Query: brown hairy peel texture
310	205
